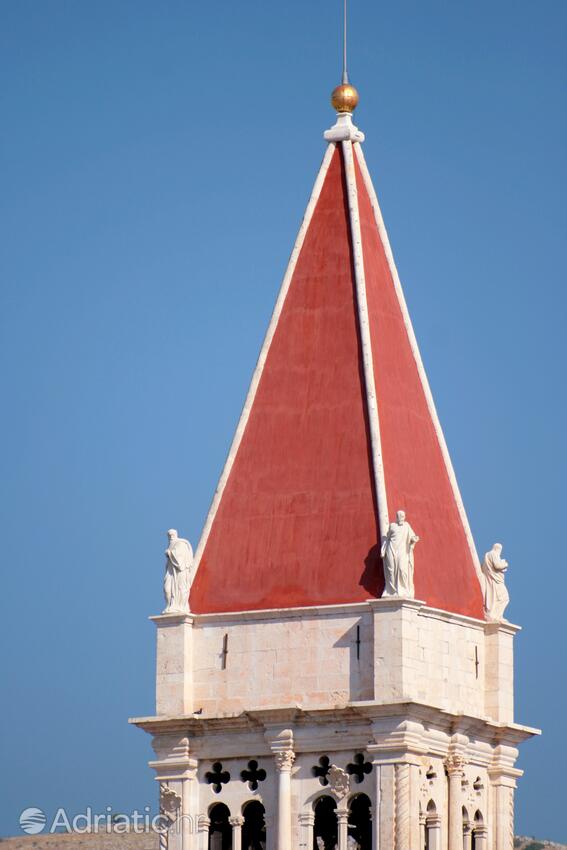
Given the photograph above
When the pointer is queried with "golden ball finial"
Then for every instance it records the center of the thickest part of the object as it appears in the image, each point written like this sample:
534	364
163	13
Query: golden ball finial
344	98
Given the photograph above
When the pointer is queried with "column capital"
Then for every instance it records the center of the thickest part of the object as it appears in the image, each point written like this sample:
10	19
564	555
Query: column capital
236	820
284	760
342	816
454	764
282	748
307	818
203	823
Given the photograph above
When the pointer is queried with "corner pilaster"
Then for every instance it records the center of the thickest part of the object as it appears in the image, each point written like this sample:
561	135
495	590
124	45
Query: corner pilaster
176	772
499	671
503	777
396	751
396	651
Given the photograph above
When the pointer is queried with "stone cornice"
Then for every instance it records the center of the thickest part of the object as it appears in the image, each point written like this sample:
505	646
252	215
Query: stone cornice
482	728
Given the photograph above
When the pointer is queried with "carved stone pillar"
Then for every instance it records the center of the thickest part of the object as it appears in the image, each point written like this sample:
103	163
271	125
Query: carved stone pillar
467	836
307	822
402	793
503	777
503	829
236	822
284	763
342	823
176	772
454	763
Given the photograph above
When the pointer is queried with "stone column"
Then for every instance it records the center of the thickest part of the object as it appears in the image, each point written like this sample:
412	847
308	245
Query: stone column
434	829
377	774
454	764
236	822
342	822
467	836
307	821
422	820
203	826
481	838
284	763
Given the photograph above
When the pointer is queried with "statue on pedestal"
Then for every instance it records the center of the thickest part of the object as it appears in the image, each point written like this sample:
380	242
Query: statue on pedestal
179	561
397	555
496	595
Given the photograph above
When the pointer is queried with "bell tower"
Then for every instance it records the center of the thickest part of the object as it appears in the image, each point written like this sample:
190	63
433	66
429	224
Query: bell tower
342	676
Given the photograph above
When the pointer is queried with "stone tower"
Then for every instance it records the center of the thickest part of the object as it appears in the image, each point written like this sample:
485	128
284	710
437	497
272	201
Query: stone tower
297	706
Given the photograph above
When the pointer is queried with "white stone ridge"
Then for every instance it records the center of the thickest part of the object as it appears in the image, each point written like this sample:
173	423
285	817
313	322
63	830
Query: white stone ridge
366	341
417	356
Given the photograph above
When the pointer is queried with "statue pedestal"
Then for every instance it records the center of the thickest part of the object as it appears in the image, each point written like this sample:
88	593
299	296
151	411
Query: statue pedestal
395	647
174	664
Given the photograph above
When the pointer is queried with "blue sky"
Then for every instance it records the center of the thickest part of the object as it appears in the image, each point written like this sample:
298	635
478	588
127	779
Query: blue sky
156	159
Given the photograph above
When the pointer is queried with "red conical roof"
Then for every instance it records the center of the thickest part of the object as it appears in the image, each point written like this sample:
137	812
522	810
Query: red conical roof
338	432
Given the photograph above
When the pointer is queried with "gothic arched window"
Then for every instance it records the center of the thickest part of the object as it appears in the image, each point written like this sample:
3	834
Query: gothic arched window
325	832
220	831
432	827
254	826
360	822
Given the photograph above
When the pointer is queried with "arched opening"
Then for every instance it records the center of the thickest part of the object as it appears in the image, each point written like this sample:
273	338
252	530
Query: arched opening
220	831
325	832
432	828
467	832
360	823
478	832
254	826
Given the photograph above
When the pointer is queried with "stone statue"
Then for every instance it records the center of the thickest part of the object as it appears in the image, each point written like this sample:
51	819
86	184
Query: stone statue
397	555
496	596
339	781
179	555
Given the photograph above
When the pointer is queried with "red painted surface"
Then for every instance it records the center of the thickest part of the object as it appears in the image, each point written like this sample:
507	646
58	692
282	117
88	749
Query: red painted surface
296	524
296	520
415	472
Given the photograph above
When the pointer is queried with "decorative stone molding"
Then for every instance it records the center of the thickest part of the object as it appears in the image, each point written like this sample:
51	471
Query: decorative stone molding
171	747
339	781
402	808
236	820
169	801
